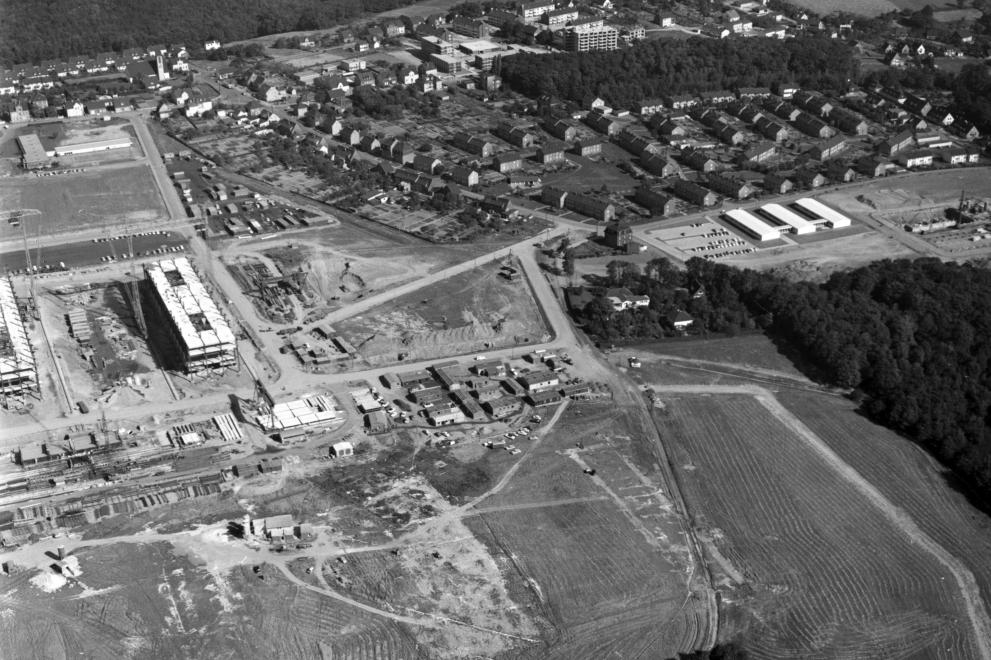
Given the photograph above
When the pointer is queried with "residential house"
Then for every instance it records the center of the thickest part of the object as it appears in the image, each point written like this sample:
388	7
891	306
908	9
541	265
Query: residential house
809	178
840	173
465	176
758	153
602	123
660	165
623	299
638	145
650	107
694	193
561	129
594	207
729	187
771	129
897	143
671	128
829	149
370	144
587	147
509	161
517	136
656	199
777	184
812	126
473	144
552	151
427	164
730	135
75	109
680	101
915	158
698	160
872	167
554	197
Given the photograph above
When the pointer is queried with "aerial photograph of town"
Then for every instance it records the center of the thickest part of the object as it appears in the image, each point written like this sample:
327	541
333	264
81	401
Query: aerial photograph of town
495	329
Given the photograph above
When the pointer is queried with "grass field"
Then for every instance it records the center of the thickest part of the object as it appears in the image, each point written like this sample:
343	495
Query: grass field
601	557
121	197
813	568
476	310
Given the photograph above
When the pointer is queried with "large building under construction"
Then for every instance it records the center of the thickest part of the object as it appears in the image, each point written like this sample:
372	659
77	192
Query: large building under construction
199	330
18	370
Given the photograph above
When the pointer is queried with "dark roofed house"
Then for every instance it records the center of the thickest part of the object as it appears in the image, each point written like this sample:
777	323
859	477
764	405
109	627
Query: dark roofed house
618	235
829	149
655	199
427	164
552	151
587	147
758	153
694	193
729	187
561	129
507	162
810	178
660	165
777	184
465	176
553	197
602	123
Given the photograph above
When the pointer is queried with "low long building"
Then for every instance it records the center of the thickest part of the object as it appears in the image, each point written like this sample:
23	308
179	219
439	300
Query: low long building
200	332
751	225
796	224
18	370
822	213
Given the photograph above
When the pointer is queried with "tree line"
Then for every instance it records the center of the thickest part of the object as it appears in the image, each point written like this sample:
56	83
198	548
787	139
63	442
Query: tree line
33	31
911	339
656	68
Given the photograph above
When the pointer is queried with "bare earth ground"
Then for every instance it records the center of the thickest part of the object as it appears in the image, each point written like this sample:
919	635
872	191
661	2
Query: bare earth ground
473	311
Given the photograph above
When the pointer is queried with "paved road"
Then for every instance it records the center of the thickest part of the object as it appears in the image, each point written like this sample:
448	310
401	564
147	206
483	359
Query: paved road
168	192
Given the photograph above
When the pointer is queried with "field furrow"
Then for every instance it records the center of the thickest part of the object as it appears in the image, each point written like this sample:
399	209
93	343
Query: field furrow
831	576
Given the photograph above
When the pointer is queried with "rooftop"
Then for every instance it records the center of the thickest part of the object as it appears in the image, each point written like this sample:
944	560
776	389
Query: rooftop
190	306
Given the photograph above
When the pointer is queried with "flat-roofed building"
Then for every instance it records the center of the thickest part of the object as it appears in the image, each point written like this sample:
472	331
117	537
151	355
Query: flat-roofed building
503	407
18	370
200	332
92	147
796	224
582	40
33	154
815	208
539	380
751	225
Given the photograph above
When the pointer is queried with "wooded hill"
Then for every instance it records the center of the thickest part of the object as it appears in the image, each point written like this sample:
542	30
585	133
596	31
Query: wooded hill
35	30
657	68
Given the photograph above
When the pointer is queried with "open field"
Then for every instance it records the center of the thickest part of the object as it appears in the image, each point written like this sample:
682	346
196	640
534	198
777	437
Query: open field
809	566
477	310
754	351
906	475
123	198
601	558
865	7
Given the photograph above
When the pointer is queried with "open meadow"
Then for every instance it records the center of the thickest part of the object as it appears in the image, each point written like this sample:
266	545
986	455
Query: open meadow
122	197
864	7
808	564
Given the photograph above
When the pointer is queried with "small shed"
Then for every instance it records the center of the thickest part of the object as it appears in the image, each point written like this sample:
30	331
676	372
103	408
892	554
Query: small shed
342	449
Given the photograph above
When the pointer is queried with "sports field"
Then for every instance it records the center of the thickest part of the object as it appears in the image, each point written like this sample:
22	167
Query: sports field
118	196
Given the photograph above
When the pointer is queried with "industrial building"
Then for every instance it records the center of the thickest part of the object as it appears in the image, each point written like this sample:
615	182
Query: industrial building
821	214
796	224
751	225
92	147
199	330
18	370
33	154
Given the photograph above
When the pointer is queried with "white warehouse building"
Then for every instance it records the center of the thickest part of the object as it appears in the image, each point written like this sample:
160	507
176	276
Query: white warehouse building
796	224
199	330
832	219
751	225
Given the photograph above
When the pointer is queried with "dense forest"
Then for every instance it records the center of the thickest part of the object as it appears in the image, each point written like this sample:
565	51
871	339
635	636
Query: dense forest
655	68
912	339
34	30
